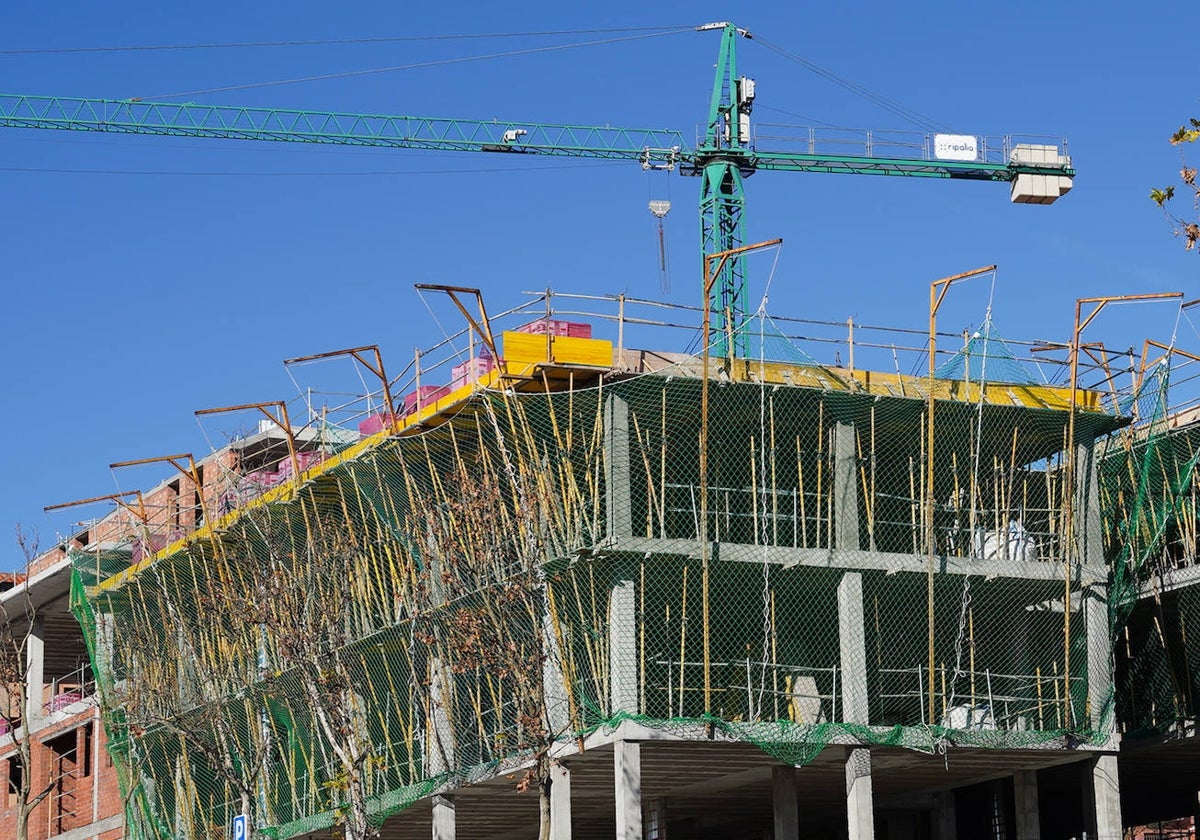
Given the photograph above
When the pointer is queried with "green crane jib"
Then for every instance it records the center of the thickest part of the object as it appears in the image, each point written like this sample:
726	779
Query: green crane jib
1038	172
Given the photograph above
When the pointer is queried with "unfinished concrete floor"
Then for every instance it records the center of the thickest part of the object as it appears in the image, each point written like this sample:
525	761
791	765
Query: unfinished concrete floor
724	790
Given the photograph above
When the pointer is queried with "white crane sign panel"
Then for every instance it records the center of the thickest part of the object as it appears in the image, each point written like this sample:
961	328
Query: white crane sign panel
955	147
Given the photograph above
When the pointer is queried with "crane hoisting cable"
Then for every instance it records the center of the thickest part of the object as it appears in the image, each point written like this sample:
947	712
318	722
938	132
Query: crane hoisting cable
660	208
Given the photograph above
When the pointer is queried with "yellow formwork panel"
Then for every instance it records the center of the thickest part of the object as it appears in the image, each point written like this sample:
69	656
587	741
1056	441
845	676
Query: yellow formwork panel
530	349
899	385
994	393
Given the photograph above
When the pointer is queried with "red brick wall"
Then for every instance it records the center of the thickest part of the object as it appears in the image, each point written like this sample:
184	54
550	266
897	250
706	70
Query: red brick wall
52	816
171	510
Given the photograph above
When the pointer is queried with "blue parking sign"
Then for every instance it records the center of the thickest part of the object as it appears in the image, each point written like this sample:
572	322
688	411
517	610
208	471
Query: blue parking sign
239	827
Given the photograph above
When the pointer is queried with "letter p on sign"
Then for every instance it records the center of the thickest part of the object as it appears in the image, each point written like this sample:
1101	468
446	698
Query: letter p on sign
239	827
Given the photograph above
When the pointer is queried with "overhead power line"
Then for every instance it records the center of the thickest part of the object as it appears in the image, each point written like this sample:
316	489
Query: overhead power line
357	174
324	41
432	63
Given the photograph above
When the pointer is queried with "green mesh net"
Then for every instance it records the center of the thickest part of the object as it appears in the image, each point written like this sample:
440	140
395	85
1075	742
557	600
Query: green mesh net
526	568
985	358
765	341
1149	494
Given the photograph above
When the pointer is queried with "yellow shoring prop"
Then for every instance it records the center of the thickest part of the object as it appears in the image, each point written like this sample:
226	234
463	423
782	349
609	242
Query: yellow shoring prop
937	294
1069	494
710	277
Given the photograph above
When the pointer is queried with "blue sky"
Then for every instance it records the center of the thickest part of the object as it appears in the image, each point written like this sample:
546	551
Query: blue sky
133	299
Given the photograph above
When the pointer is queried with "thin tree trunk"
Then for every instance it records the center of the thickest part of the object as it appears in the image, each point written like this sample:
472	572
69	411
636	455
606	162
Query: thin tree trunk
544	805
356	821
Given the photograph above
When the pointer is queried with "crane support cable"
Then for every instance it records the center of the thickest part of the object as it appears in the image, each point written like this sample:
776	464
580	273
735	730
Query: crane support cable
897	108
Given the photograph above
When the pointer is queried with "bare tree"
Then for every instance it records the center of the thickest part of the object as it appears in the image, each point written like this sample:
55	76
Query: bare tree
19	617
203	645
302	603
487	620
303	612
174	687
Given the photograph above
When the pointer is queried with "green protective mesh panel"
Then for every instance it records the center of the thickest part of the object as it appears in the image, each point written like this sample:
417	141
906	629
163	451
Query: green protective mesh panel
533	567
765	341
987	358
1149	496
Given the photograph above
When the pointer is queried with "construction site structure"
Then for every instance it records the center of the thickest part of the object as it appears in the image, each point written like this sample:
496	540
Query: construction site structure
733	592
549	569
56	712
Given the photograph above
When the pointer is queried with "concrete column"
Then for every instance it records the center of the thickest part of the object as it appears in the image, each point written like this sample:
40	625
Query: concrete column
622	649
439	731
554	686
1089	541
35	670
105	632
783	796
945	816
853	676
1104	797
1088	530
617	503
860	813
627	780
443	817
1099	659
1025	794
845	486
560	802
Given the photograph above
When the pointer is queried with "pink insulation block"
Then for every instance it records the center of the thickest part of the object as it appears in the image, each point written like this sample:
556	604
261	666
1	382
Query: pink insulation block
471	370
426	395
574	329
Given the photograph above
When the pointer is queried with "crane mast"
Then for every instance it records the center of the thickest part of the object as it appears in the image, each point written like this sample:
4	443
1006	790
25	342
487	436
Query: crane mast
1039	173
719	161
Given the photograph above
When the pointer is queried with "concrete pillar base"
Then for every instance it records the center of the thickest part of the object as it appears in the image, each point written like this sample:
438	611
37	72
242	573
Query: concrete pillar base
443	818
627	767
860	802
1105	795
945	816
1025	794
560	802
623	649
35	659
787	811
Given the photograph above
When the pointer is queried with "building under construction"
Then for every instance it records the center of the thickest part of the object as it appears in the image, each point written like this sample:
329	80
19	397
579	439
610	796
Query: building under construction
569	584
731	587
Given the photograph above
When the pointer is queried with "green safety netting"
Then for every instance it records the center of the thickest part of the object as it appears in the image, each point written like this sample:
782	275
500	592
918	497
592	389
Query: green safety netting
1149	495
985	357
532	567
763	340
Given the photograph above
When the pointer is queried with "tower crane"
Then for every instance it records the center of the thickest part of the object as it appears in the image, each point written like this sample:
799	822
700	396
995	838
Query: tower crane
725	156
